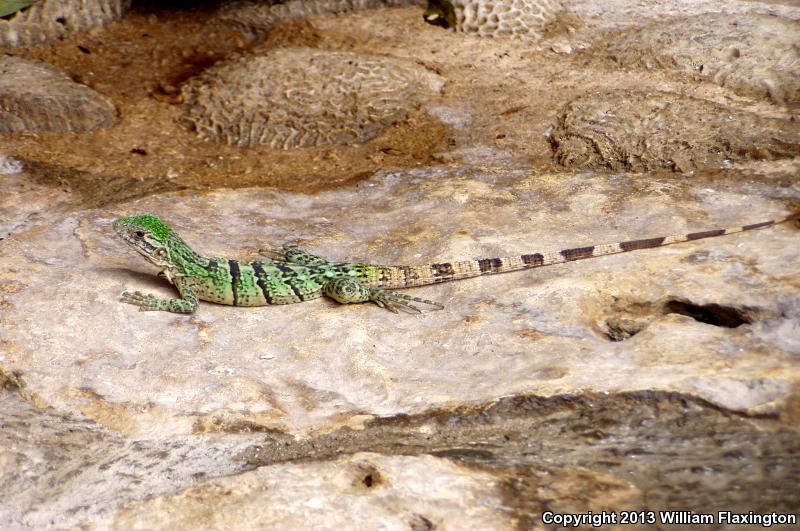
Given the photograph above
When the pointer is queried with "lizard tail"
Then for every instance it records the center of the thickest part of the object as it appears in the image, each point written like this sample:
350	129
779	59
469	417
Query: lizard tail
410	276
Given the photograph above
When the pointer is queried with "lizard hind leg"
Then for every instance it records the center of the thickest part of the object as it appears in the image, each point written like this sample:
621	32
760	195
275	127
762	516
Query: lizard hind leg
290	253
348	291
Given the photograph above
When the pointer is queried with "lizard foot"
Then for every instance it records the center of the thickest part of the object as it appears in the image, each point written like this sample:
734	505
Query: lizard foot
348	291
142	300
147	302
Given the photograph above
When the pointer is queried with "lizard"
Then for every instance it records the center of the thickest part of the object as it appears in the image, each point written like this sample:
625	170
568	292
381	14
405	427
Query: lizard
295	275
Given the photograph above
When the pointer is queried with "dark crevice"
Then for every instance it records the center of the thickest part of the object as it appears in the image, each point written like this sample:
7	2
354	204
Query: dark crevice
713	314
624	441
632	318
159	7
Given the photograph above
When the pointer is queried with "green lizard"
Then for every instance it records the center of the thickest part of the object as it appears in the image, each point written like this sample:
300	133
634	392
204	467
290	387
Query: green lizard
9	7
294	275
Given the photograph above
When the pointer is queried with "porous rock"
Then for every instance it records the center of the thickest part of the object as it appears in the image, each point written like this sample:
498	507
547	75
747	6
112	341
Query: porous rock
516	19
753	55
387	492
639	131
54	19
316	366
298	97
255	18
36	97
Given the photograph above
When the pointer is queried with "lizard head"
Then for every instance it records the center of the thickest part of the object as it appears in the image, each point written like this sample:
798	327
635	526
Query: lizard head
148	235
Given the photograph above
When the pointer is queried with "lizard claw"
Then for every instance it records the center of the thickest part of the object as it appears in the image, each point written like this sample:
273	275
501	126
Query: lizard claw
395	302
142	300
387	300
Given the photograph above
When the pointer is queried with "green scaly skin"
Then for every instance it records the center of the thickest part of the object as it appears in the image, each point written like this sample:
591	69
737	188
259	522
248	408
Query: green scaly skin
9	7
294	275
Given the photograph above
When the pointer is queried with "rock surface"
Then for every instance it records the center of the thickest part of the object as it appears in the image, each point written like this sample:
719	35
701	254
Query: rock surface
255	18
55	465
755	55
314	367
515	19
36	97
640	131
652	380
49	20
387	492
299	97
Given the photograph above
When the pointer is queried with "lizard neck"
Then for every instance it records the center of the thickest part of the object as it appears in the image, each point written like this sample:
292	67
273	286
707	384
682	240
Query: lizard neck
182	258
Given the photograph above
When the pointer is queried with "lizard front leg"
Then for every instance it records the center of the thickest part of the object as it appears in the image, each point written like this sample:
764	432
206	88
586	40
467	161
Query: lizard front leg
186	304
348	291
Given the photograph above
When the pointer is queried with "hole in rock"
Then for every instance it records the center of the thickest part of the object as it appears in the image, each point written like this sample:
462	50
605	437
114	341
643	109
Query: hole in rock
367	475
713	314
619	329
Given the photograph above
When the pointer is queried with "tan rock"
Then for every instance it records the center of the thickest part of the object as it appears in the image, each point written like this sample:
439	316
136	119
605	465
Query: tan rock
256	18
299	97
641	131
515	19
37	97
754	55
309	367
387	492
48	20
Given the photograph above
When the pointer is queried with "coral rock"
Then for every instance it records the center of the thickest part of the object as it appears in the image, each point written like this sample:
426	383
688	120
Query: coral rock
298	97
54	19
641	131
36	97
516	19
754	55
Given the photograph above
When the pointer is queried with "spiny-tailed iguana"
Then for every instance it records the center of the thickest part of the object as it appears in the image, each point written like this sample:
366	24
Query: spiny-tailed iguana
294	275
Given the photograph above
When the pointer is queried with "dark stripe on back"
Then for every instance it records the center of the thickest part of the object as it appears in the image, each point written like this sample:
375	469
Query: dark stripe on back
535	259
288	278
261	276
758	225
577	253
705	234
443	270
489	264
648	243
234	268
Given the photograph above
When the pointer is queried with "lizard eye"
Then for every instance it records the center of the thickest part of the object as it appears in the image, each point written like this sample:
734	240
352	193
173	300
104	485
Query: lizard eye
140	234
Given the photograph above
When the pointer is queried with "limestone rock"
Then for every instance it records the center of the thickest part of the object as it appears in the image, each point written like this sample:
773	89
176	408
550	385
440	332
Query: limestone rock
638	131
516	19
256	18
48	20
298	97
36	97
52	464
316	366
754	55
386	492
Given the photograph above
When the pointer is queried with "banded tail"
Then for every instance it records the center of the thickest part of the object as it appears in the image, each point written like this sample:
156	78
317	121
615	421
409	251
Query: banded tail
410	276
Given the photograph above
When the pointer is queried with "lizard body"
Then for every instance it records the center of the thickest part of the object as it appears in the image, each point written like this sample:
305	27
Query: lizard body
294	275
